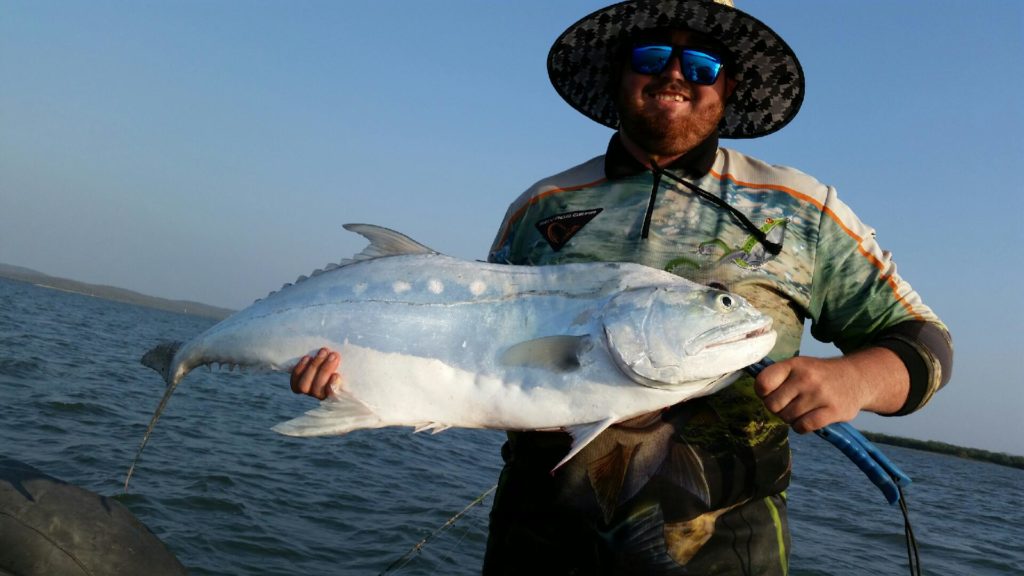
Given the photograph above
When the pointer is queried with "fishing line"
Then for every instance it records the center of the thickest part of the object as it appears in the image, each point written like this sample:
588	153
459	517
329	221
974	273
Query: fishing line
913	556
455	546
408	556
882	472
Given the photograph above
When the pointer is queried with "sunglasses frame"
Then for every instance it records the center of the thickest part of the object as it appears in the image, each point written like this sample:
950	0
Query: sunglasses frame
679	52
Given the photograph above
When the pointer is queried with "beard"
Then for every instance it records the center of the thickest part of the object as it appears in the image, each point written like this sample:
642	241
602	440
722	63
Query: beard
658	136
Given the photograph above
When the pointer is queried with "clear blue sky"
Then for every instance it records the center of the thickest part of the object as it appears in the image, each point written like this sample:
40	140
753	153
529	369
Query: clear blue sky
211	150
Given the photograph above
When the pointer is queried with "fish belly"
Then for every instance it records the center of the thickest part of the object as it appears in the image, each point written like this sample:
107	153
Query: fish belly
381	389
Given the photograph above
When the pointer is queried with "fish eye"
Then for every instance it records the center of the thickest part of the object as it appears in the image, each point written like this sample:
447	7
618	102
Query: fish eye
725	302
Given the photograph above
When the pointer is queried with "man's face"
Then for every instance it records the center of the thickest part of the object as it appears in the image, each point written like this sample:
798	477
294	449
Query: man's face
665	114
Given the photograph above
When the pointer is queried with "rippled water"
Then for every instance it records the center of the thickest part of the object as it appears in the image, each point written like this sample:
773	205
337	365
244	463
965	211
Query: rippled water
229	496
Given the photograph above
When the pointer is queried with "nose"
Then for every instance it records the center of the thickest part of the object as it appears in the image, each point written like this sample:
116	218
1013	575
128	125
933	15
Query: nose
674	68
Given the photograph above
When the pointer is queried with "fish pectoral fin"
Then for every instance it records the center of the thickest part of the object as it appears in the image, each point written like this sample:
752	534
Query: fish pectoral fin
338	414
553	353
582	435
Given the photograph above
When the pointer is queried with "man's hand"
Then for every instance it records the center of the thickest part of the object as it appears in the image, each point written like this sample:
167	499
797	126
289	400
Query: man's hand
811	393
316	375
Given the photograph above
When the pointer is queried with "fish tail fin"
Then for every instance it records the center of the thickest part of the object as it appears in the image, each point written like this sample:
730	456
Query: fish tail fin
160	358
149	430
338	414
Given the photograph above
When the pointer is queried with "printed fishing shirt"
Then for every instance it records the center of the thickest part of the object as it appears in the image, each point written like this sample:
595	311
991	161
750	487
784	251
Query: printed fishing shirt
698	488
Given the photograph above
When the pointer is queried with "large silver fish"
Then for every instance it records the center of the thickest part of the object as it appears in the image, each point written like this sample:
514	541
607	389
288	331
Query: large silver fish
433	342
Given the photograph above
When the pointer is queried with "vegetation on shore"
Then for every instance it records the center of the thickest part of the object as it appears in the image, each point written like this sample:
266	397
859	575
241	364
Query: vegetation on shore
943	448
111	293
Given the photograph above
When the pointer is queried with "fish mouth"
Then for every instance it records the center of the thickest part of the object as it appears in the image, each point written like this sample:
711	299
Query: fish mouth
747	331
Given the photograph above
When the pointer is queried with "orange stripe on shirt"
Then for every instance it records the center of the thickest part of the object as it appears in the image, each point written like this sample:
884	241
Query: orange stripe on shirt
835	217
519	213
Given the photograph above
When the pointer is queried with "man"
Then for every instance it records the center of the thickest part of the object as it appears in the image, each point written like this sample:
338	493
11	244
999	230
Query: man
697	488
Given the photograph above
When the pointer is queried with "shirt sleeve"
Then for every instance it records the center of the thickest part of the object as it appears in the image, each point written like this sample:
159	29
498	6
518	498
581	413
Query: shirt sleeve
501	247
858	300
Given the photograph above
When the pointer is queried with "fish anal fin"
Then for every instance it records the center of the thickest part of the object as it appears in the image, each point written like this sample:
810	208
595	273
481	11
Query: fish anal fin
433	427
339	414
554	353
582	435
607	475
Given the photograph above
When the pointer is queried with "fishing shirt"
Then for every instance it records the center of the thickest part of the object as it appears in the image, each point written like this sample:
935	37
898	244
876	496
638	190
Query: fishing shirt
699	487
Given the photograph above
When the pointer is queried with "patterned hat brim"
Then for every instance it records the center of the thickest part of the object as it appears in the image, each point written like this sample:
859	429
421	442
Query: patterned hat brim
770	86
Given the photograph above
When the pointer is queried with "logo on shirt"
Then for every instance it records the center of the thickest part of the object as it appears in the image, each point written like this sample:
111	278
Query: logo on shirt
560	228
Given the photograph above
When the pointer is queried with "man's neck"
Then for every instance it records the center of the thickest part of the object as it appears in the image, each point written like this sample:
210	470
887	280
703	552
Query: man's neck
647	158
624	158
644	157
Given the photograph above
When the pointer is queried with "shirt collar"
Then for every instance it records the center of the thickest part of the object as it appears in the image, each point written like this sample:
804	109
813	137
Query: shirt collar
619	163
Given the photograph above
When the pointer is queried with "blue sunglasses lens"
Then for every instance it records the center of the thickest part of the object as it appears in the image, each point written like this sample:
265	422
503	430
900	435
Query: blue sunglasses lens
650	59
698	67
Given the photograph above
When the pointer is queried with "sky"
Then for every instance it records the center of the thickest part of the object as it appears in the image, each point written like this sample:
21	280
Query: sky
211	150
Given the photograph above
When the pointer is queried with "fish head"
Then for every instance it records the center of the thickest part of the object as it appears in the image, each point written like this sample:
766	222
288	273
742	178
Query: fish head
666	336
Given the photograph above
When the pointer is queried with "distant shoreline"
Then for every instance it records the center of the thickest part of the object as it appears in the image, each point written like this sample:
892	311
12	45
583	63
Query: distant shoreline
21	274
999	458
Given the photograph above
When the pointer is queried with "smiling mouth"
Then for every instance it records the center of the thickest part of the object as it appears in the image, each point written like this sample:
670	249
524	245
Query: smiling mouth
671	97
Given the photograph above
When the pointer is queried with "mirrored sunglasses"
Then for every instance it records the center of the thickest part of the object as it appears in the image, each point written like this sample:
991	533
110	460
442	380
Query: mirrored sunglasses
698	66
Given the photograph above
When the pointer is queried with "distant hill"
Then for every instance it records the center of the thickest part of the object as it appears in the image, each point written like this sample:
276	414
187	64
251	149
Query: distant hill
950	449
23	274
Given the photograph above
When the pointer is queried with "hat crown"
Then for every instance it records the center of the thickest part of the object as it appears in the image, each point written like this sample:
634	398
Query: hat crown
770	86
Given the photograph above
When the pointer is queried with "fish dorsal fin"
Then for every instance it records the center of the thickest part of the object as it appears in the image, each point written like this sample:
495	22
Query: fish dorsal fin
384	242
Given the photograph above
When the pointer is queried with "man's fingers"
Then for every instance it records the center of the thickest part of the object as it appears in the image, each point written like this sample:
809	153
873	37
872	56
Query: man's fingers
797	408
304	380
780	401
770	386
326	372
770	379
806	413
297	373
316	375
813	420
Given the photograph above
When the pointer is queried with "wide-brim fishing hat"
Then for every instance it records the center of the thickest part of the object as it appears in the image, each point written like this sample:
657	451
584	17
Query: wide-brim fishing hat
770	87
